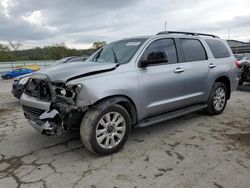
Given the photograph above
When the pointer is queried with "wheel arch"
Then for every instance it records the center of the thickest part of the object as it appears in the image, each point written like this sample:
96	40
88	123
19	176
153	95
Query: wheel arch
225	80
122	100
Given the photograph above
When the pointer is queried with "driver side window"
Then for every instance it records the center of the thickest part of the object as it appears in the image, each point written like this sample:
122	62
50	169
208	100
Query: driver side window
162	48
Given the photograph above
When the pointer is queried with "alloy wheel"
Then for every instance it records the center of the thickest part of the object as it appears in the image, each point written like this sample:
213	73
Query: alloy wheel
110	130
219	99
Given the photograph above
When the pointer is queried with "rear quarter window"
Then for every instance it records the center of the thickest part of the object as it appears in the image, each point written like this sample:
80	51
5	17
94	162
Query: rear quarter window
193	50
219	50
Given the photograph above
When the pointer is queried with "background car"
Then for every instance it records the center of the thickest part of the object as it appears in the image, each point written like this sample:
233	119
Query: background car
16	72
245	59
70	59
238	56
244	70
18	85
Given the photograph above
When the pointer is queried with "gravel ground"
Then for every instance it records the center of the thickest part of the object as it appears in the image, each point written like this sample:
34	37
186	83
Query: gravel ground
192	151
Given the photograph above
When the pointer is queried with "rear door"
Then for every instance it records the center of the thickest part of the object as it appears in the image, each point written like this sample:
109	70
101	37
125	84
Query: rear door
195	65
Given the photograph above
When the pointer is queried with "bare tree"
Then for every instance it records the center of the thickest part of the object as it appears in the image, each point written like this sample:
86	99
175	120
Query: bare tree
15	46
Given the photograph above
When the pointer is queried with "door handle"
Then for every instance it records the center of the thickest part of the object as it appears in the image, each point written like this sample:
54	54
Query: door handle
211	65
178	70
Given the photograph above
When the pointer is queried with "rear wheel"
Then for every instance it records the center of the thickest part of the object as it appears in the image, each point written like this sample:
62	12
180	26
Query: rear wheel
217	100
107	131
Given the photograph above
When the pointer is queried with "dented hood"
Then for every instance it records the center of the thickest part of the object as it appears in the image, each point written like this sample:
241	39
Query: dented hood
70	71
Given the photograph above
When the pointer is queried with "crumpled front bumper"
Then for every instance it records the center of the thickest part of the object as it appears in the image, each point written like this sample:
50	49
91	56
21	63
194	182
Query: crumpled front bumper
38	114
51	118
44	128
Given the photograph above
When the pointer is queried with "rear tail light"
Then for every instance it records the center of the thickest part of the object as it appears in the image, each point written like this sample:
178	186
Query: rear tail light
237	63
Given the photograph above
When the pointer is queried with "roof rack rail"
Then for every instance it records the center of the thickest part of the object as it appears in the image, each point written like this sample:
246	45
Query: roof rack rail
186	33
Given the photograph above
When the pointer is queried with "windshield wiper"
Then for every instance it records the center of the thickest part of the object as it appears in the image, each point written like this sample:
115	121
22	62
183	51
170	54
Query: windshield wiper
115	56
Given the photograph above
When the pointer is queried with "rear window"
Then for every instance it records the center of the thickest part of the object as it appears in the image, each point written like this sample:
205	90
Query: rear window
219	50
193	50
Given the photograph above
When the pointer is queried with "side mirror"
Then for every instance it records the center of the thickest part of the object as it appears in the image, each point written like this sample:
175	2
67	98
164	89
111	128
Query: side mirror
154	58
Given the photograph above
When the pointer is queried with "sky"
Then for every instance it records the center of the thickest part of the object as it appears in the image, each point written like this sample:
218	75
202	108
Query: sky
79	23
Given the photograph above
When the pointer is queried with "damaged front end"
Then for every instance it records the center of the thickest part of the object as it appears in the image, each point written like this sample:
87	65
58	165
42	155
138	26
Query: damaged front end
50	107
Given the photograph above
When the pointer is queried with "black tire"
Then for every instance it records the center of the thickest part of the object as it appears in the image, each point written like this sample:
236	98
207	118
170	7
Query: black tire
89	125
211	109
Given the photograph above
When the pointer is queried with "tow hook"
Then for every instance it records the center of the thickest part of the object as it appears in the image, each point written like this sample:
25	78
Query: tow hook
49	128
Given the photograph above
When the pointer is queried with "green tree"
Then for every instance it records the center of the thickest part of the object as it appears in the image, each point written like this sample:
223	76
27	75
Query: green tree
4	48
53	52
5	54
58	51
99	44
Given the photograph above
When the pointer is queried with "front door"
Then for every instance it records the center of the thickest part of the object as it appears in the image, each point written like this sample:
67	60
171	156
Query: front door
162	84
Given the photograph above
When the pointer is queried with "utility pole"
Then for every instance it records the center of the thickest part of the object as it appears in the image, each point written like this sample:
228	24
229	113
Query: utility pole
165	25
229	32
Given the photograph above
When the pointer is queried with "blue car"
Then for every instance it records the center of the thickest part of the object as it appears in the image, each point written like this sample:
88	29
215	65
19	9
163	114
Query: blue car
16	72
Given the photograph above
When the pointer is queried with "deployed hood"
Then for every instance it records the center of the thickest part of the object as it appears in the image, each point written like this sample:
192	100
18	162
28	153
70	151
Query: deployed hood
66	72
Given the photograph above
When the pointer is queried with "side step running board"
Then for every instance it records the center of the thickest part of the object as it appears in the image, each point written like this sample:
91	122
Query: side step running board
171	115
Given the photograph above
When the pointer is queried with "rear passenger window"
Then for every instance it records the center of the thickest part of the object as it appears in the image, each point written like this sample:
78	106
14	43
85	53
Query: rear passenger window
164	47
193	50
219	50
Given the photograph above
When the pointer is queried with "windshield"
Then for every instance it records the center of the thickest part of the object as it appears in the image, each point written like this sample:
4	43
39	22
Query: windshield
118	52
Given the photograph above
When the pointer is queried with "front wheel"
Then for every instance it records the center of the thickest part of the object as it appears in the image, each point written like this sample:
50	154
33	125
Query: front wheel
107	131
217	99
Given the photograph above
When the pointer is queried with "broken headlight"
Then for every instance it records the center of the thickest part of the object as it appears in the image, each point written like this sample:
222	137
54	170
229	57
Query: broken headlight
23	80
76	88
69	91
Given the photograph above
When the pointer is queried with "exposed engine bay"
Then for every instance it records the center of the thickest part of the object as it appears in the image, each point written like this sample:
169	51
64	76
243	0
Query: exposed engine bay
62	113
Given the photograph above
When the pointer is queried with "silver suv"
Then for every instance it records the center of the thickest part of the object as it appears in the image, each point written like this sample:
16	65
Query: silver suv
134	82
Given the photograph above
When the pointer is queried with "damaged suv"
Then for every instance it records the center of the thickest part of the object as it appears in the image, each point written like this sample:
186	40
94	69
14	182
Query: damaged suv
133	82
